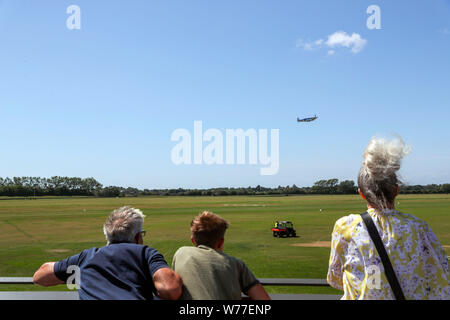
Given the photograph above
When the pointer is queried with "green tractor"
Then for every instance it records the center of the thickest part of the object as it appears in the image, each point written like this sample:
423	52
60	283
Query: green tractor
284	229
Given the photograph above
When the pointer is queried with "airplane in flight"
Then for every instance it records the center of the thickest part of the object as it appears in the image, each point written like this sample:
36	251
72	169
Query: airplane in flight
307	119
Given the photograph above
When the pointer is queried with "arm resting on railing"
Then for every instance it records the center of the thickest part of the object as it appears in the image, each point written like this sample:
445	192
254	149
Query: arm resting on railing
45	276
257	292
168	284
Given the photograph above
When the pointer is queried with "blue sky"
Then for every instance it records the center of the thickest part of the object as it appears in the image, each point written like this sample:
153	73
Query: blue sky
104	100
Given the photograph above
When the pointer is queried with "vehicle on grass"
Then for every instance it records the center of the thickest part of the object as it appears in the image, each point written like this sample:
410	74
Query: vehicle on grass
284	229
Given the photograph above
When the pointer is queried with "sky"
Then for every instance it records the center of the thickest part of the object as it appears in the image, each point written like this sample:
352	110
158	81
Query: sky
103	100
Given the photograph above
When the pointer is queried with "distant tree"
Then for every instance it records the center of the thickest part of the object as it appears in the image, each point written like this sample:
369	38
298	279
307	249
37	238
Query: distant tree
74	186
111	191
332	185
320	187
445	188
325	186
130	192
90	185
347	187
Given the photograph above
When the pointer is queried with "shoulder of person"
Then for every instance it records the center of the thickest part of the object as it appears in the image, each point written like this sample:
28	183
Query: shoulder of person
419	223
132	249
88	252
125	246
150	251
93	249
236	260
410	217
347	222
184	249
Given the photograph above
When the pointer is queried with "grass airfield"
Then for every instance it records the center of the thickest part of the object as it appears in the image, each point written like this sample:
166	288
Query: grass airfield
50	229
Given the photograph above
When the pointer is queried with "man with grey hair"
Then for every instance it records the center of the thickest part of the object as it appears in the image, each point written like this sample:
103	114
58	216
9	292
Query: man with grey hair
124	269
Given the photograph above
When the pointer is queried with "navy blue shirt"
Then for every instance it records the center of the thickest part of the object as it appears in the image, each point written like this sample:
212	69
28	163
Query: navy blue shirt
121	271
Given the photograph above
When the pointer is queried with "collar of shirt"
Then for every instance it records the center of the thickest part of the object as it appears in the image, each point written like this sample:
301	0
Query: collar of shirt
386	212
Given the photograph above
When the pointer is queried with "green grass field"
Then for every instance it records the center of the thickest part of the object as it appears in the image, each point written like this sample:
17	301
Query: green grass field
50	229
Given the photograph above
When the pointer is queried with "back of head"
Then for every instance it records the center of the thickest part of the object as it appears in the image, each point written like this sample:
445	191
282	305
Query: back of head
378	178
123	224
208	228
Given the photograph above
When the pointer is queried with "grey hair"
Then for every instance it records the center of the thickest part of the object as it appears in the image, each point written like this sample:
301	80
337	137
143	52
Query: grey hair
377	177
123	224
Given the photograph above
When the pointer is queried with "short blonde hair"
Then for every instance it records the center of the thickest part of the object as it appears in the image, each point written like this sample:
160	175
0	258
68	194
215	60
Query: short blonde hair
208	228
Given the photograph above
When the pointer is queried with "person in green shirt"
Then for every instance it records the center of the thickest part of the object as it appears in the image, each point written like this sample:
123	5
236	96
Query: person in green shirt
207	272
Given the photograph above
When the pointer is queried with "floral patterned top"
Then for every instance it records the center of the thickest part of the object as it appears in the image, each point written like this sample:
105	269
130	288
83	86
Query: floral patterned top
416	255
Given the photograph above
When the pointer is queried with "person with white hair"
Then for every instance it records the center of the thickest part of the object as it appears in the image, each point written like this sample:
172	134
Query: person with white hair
124	269
384	254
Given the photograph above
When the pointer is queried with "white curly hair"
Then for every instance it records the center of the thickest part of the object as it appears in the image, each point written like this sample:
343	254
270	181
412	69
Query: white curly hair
123	225
378	177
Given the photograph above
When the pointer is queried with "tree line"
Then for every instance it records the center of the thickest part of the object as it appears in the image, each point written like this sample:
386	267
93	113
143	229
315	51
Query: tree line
73	186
